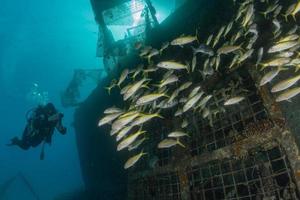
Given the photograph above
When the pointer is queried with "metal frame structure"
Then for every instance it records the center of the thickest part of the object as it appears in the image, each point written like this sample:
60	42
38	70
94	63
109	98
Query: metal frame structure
246	153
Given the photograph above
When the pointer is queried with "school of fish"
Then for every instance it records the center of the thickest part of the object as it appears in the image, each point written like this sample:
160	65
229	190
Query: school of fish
159	86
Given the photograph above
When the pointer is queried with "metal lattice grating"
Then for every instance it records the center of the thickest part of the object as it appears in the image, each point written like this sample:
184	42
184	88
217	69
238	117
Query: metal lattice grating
266	175
226	126
123	14
160	187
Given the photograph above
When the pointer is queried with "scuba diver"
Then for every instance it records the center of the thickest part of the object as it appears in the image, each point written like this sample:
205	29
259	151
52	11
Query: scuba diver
40	127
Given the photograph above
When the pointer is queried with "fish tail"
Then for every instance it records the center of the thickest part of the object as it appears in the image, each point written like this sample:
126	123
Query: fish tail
144	73
281	68
285	17
297	68
180	144
194	50
108	90
196	35
263	67
159	116
165	95
294	17
187	67
144	153
157	85
264	14
142	132
145	86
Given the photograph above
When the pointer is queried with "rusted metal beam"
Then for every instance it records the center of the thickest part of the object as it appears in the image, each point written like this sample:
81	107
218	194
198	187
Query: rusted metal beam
288	140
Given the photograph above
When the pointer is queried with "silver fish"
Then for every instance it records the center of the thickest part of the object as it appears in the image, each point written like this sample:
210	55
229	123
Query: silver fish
268	77
149	98
218	60
164	47
166	104
123	77
123	121
184	123
282	46
205	113
145	51
174	95
136	144
288	38
276	62
293	30
260	54
134	88
112	110
277	11
191	102
152	53
172	65
129	140
277	25
204	101
185	86
204	49
145	118
124	89
183	40
194	91
228	49
171	79
109	118
248	15
207	69
131	161
295	62
217	38
296	10
245	56
177	134
285	84
123	132
167	143
209	39
228	28
234	100
287	95
234	61
285	54
253	29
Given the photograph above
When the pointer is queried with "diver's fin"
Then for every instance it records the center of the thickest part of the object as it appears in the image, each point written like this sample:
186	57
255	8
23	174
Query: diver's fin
42	154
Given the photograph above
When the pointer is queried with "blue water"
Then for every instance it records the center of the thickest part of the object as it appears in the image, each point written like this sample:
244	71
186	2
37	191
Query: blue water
41	42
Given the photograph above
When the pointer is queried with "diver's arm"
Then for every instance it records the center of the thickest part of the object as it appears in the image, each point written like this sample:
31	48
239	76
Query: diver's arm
59	126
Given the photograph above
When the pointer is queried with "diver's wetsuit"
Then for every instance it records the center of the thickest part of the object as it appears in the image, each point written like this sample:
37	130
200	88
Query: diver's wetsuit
40	127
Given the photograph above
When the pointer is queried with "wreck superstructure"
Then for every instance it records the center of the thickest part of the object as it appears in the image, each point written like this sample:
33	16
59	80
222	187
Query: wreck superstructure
247	151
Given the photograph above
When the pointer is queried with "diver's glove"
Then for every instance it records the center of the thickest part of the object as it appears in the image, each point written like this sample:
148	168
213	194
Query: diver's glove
56	117
62	130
